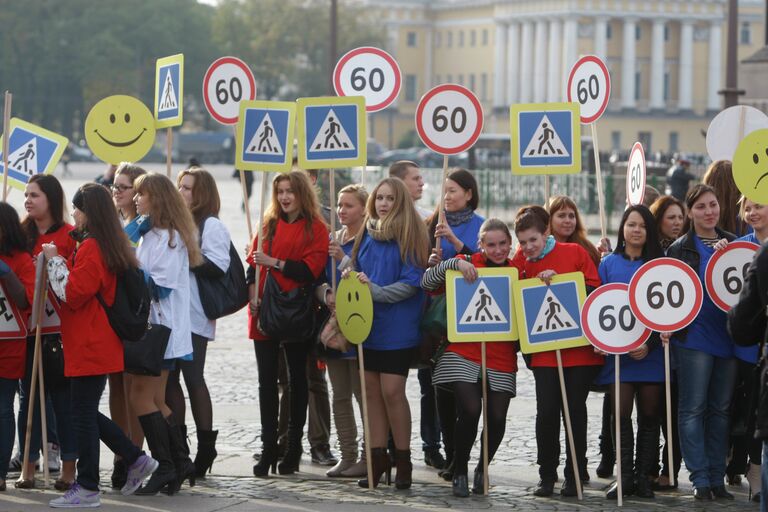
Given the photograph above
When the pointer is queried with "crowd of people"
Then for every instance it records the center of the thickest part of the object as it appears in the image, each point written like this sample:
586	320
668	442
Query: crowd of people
401	252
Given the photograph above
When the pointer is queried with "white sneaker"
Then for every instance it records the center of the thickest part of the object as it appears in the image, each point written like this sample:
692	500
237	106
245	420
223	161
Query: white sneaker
54	458
77	497
138	472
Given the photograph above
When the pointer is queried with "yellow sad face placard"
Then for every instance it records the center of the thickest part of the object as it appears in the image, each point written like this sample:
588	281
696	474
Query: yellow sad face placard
120	129
354	309
750	166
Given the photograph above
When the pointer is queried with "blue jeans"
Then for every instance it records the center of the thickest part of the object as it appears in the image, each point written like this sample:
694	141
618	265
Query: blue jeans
705	386
7	425
430	424
90	425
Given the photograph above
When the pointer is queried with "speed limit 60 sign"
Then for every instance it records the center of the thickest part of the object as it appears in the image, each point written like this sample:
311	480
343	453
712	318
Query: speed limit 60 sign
725	273
589	84
371	73
636	175
449	119
666	294
609	323
227	82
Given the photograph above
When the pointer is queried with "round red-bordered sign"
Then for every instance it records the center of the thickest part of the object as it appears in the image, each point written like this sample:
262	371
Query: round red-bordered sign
616	331
724	276
369	72
449	119
227	82
589	84
636	175
666	294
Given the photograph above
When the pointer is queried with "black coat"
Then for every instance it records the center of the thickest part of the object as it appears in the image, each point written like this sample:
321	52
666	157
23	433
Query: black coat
748	321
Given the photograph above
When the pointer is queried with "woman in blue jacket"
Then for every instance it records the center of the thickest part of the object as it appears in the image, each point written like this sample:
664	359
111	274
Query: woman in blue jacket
642	370
390	255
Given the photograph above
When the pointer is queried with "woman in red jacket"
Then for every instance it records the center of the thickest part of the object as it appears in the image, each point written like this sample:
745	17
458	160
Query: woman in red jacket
459	367
294	253
93	349
17	279
545	258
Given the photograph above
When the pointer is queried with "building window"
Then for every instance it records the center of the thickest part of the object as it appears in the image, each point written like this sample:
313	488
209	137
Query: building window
461	79
472	82
472	38
449	78
461	38
645	140
484	87
485	37
638	85
410	87
616	140
673	142
411	39
449	40
666	32
438	39
608	31
745	34
666	85
437	79
638	33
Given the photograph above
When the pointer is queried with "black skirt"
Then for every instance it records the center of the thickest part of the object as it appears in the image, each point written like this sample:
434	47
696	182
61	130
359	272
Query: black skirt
397	361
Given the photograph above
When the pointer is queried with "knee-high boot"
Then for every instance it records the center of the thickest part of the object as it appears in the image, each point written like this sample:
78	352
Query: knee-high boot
156	431
185	469
607	453
627	466
647	453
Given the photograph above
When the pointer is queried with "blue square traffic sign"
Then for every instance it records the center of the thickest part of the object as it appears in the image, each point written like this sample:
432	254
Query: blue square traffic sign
264	140
545	138
31	150
332	132
484	306
552	312
168	83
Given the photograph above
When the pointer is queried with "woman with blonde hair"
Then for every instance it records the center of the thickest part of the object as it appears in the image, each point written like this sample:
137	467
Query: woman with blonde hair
294	252
165	252
390	255
566	226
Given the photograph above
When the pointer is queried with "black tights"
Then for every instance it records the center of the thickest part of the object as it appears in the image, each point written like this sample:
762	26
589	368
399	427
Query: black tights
194	378
469	408
648	399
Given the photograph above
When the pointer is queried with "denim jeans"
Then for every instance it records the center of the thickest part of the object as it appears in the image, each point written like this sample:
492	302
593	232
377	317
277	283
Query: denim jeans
7	425
764	478
90	426
430	423
705	388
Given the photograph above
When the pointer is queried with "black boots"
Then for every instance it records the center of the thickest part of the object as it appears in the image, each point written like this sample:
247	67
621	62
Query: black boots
292	458
206	452
380	465
267	460
156	431
647	454
627	456
404	469
185	469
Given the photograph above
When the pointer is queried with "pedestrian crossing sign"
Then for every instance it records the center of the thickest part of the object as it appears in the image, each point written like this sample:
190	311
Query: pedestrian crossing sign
169	91
545	138
483	310
332	132
264	140
31	150
550	316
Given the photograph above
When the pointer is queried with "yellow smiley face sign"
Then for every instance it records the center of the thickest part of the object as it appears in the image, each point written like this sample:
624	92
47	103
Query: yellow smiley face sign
750	166
354	309
120	129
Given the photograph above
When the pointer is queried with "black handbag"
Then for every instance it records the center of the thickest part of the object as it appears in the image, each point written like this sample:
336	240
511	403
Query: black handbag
286	316
53	360
222	296
145	357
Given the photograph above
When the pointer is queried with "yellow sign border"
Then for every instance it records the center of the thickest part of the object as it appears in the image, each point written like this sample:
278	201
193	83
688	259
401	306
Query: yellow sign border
161	63
240	142
450	295
519	169
362	132
60	140
525	345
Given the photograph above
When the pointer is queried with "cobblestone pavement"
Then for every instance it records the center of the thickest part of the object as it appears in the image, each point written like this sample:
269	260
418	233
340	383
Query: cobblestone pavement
232	380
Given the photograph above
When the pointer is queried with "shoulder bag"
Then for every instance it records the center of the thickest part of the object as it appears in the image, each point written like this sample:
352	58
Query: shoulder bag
222	296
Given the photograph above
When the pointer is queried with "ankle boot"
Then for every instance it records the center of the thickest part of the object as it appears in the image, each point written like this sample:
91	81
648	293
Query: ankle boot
627	466
404	469
292	458
206	452
267	460
380	464
647	454
185	469
156	432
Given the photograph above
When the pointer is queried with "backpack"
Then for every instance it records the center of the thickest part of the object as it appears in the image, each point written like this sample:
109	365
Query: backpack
129	314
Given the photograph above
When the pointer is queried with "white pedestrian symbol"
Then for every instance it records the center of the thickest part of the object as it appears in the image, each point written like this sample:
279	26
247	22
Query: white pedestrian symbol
482	308
168	98
552	316
264	140
545	142
331	136
24	159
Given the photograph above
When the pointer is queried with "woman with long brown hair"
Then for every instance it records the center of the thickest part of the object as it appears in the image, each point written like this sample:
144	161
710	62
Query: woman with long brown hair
719	176
566	226
669	213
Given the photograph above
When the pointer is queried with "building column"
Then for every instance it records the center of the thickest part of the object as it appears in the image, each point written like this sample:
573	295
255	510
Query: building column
539	62
570	43
715	65
555	85
428	59
513	63
526	63
685	81
601	38
499	66
657	65
628	64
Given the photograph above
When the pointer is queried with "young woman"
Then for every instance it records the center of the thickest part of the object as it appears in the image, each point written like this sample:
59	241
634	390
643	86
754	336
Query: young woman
459	367
165	253
669	213
44	202
17	278
719	176
93	349
135	227
390	255
343	369
198	188
294	251
704	353
545	258
565	225
458	235
642	370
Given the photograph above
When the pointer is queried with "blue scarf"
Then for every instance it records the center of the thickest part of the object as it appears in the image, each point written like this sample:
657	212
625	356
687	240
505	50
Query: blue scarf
548	246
